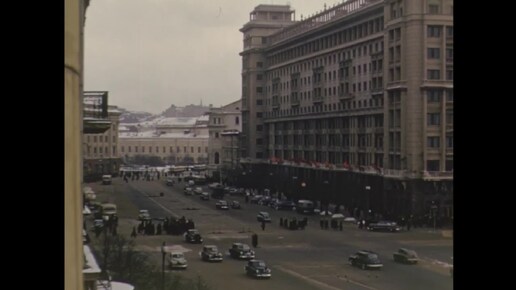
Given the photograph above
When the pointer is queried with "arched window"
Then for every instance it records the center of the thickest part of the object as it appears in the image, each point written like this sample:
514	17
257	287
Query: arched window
216	157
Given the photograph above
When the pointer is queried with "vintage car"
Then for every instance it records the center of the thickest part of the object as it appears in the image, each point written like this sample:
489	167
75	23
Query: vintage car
241	251
204	196
258	269
198	190
365	260
210	253
285	205
263	217
384	226
170	181
144	215
222	204
193	236
176	260
235	204
188	191
405	256
256	199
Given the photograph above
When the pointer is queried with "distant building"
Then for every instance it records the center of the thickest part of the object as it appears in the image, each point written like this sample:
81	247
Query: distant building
172	140
225	125
101	149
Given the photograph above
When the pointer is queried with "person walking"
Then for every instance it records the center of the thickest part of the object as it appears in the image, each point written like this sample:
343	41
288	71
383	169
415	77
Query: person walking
133	233
254	240
263	225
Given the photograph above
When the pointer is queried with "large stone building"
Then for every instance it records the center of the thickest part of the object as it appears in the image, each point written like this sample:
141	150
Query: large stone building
225	125
173	140
355	103
101	148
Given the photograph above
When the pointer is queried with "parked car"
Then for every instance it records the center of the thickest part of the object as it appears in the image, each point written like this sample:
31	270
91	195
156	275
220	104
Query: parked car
176	260
405	256
255	199
144	215
204	196
170	181
198	190
241	251
222	204
235	204
193	236
305	207
258	269
263	216
210	253
384	226
106	179
350	220
365	259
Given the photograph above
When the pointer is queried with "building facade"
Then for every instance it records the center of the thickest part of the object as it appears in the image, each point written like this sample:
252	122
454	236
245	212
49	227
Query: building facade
356	100
225	125
101	149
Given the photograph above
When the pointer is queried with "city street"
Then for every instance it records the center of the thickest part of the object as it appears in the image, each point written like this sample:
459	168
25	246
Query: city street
304	259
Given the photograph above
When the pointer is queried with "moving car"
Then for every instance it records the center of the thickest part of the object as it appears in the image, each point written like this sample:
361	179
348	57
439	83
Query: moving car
258	269
204	196
285	205
198	190
144	215
405	256
263	217
176	260
241	251
193	236
210	253
170	181
384	226
365	260
222	204
188	191
106	179
305	206
235	204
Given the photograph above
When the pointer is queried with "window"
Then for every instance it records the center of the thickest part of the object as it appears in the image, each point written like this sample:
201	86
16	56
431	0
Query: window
129	149
157	149
136	149
114	150
449	54
237	120
198	149
434	31
216	135
94	150
170	149
449	141
191	149
433	9
259	64
434	96
433	74
216	158
433	53
150	149
449	116
432	142
449	75
100	150
259	115
449	31
259	90
432	165
433	119
184	149
259	141
259	77
449	95
95	139
259	102
178	149
259	127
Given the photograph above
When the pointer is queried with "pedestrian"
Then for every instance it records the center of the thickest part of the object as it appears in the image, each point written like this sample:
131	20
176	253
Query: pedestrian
133	233
254	239
263	225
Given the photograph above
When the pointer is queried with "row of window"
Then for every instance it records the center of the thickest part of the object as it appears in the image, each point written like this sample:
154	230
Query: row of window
436	31
434	142
100	150
164	149
434	119
339	38
101	138
435	53
435	95
370	121
435	74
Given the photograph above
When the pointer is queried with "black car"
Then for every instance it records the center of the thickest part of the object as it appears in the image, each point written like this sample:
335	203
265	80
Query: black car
204	196
241	251
235	204
285	205
170	181
222	204
405	256
210	253
365	260
263	217
258	269
384	226
193	236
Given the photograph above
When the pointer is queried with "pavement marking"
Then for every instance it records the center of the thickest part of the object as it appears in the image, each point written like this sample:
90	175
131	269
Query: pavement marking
313	281
356	283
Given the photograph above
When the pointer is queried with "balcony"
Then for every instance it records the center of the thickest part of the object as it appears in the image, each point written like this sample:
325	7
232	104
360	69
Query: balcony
295	102
346	96
377	91
317	99
95	112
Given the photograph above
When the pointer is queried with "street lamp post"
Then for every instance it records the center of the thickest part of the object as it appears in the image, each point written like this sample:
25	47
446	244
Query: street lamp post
368	189
163	254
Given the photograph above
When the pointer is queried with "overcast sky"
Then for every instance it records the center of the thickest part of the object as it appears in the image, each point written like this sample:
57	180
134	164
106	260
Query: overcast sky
150	54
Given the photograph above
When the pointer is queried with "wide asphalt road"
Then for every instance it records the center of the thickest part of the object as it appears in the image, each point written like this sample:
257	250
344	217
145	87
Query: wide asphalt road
303	259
